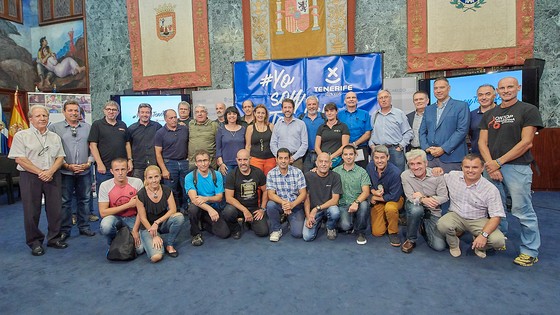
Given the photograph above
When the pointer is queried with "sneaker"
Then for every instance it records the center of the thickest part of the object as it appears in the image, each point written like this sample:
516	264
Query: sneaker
197	240
275	236
455	252
361	240
525	260
331	234
93	218
394	240
480	253
236	235
408	246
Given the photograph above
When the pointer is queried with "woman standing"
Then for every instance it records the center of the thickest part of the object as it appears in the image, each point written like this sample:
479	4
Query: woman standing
258	141
229	140
332	136
160	221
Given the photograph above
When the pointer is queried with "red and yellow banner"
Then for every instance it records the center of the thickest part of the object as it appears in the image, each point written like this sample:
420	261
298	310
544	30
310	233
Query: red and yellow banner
17	121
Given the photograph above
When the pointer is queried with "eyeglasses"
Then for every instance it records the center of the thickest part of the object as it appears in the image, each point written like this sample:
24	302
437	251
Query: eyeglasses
111	109
42	152
74	131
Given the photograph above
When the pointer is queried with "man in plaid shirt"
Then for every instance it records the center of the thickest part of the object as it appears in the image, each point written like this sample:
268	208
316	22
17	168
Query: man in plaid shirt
286	193
475	207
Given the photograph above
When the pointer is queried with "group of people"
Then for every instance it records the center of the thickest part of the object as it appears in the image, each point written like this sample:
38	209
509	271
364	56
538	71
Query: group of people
241	171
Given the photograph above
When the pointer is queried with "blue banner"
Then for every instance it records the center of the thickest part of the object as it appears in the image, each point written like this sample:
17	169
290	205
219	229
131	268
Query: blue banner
329	78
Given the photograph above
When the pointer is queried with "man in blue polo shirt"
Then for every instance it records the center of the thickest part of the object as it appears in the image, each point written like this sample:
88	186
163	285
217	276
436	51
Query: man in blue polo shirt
313	119
358	121
171	154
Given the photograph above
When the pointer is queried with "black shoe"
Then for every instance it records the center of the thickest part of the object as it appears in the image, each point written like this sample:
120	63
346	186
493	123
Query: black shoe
173	254
87	232
37	250
58	244
236	235
64	236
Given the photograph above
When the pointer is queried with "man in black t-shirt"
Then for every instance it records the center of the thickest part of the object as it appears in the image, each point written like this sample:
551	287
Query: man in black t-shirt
506	135
242	197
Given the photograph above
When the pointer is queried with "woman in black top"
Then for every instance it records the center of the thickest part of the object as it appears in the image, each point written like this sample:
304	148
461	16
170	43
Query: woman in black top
332	136
257	140
157	212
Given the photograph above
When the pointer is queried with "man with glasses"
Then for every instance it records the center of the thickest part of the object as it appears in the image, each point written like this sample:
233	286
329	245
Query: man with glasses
39	154
142	134
205	188
109	140
76	172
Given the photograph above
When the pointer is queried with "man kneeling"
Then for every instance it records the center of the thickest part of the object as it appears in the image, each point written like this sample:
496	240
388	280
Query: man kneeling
475	207
242	195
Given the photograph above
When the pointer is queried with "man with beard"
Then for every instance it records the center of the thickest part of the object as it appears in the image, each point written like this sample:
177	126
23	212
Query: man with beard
291	133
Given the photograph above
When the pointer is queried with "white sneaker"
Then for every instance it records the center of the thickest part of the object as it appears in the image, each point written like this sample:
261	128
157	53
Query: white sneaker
275	236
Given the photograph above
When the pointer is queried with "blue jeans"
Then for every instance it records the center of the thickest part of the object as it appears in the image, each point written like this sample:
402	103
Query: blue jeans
309	161
168	231
112	223
504	225
397	157
517	180
80	187
332	213
357	220
178	169
274	210
418	214
100	178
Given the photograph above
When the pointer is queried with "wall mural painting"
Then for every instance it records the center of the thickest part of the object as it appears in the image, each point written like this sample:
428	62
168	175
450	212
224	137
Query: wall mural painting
47	58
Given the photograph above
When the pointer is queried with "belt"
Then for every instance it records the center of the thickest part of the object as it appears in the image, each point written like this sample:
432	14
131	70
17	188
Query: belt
388	145
415	148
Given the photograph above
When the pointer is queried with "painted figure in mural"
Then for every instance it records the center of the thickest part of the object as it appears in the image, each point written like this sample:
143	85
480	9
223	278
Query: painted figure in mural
48	63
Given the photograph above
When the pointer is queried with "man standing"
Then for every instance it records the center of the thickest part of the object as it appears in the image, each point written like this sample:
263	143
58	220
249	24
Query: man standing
290	133
109	140
184	109
286	194
358	121
39	154
171	155
386	199
324	190
205	188
242	197
249	109
75	172
420	99
506	135
353	205
390	128
313	119
202	132
475	207
444	129
142	134
117	202
425	193
486	95
220	112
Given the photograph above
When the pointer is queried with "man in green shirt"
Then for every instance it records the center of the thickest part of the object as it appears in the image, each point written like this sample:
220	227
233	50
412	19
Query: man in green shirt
353	204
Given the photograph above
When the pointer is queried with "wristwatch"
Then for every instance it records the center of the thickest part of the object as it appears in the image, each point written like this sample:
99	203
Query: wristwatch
318	208
484	234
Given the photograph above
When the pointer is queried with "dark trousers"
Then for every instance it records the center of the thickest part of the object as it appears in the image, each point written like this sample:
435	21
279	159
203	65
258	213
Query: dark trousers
33	189
231	214
218	228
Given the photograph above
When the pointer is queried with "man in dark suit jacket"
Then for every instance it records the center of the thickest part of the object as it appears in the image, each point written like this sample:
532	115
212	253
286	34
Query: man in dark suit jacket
421	100
444	129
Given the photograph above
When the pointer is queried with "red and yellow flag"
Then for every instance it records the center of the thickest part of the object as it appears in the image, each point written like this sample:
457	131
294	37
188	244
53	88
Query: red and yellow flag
17	121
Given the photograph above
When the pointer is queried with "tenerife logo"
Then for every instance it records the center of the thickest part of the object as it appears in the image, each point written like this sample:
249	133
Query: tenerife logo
333	79
166	25
296	16
468	5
